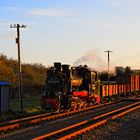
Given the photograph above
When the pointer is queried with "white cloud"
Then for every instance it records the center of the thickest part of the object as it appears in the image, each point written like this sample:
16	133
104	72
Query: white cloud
9	8
99	24
7	35
118	3
48	12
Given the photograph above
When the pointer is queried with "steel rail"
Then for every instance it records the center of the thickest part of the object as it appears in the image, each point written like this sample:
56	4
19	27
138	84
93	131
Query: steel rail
106	117
97	124
14	124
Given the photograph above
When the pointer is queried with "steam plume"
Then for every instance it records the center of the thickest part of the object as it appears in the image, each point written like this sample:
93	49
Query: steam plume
92	59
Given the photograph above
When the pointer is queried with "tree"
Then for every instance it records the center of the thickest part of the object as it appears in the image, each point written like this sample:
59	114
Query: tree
33	76
127	73
123	74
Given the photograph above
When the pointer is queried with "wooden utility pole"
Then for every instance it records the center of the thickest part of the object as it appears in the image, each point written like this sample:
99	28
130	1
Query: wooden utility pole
19	63
108	52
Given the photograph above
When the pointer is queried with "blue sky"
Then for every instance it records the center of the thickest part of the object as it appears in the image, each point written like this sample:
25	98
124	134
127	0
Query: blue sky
73	31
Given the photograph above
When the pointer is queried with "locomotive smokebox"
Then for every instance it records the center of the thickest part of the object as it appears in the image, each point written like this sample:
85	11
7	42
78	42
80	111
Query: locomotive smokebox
57	65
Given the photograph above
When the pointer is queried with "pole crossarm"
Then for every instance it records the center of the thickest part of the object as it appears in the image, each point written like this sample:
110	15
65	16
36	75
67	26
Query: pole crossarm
17	25
108	52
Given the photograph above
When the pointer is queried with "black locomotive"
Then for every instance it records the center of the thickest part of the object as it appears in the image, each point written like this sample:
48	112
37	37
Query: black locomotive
70	88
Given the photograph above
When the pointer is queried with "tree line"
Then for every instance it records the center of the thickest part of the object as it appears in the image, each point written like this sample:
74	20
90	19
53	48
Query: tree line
120	75
33	76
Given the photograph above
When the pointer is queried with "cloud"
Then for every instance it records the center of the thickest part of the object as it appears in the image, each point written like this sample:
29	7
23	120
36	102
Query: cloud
7	35
2	21
9	8
118	3
48	12
99	24
114	3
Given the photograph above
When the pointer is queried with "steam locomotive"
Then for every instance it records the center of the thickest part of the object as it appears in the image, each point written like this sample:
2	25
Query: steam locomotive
70	88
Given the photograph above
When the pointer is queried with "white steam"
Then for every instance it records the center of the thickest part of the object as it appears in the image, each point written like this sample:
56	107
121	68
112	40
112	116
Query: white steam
92	59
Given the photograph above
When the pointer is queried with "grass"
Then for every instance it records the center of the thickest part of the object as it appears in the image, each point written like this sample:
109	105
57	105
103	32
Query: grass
31	106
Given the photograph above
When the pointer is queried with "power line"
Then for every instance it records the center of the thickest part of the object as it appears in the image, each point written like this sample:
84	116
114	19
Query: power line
18	26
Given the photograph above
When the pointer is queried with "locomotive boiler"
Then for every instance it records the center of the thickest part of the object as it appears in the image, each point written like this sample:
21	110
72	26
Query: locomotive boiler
70	87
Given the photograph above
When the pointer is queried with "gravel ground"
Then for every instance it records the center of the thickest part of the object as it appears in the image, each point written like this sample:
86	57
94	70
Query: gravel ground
123	128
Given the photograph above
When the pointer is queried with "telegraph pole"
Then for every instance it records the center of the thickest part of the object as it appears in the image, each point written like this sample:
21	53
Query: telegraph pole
108	53
17	26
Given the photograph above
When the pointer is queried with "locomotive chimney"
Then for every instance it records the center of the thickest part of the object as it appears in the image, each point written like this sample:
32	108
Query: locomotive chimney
66	69
57	65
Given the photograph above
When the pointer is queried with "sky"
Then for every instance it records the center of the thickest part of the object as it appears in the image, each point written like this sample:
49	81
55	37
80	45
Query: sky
72	32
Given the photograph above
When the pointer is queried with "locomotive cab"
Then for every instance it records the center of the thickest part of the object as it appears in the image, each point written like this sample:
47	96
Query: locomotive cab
90	83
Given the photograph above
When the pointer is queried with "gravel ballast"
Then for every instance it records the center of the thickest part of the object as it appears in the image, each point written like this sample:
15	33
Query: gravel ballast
123	128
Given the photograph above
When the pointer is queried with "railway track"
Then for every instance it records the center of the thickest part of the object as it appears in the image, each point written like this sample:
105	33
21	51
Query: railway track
28	121
86	125
47	127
